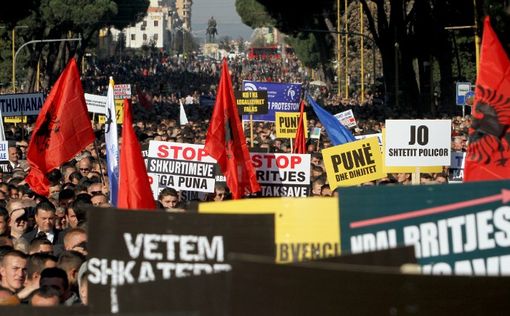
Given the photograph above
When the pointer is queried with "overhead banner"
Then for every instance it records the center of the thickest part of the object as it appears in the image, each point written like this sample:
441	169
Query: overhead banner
180	166
21	104
461	229
418	142
353	163
305	228
287	124
150	247
281	97
251	102
282	174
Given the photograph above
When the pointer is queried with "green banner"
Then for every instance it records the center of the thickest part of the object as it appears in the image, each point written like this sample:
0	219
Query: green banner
461	229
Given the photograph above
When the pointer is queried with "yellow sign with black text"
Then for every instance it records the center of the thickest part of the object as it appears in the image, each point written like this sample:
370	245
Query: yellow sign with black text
119	112
251	102
305	228
353	163
287	124
15	119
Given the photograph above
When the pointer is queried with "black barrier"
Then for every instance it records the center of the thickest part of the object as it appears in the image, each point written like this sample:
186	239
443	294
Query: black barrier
395	257
260	287
136	256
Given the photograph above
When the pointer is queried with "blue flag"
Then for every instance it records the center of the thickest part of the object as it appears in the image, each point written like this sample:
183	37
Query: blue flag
338	134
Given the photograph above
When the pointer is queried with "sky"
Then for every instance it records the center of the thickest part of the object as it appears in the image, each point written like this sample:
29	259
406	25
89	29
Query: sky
224	12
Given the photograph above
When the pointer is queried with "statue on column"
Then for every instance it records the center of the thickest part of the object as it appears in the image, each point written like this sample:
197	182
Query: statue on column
211	30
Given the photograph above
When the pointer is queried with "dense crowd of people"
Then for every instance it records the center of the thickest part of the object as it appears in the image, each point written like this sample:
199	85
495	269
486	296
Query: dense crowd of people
43	239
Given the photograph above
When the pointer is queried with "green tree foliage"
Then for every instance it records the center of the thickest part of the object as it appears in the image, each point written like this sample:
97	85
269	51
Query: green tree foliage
59	19
253	14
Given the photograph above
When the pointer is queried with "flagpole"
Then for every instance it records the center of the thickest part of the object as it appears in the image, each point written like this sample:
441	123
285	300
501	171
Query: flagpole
251	130
99	160
346	51
362	52
291	146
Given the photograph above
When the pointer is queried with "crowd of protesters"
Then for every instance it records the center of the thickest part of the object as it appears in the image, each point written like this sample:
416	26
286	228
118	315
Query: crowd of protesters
43	240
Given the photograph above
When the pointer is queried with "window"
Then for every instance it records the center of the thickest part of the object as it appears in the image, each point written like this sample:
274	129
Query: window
156	22
145	37
133	37
155	37
143	26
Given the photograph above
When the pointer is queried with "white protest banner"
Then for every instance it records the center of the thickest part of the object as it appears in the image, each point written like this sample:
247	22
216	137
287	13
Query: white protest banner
96	103
21	104
418	142
346	118
456	170
282	174
180	166
122	91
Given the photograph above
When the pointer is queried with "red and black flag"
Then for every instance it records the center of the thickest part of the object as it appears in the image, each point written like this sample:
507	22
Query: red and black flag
488	153
300	140
226	142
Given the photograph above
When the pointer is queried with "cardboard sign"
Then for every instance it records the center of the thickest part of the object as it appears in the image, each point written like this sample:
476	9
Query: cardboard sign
316	133
281	97
21	104
353	163
180	166
418	142
122	91
282	174
404	169
346	118
461	229
378	135
456	170
146	247
251	102
95	103
305	228
15	119
287	124
119	112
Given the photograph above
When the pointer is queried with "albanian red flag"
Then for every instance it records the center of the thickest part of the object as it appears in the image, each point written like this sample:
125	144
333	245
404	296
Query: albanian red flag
134	187
300	140
61	131
488	151
143	99
226	143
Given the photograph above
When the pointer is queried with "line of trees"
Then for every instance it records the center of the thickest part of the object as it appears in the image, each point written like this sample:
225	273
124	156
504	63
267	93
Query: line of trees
58	19
420	60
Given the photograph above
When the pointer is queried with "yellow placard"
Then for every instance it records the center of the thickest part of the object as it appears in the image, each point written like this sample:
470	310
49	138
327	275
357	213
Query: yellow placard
405	169
119	112
15	119
287	124
305	228
353	163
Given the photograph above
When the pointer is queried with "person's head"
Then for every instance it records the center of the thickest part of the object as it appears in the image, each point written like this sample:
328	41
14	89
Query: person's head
37	262
83	283
317	185
76	239
13	154
426	178
45	296
84	166
169	198
315	159
13	270
45	216
99	199
54	191
326	190
56	278
75	177
95	188
220	192
4	220
441	178
70	262
403	178
76	213
67	170
40	245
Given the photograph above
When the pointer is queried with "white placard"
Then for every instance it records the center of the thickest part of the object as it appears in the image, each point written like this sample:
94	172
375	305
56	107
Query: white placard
346	118
122	91
95	103
418	143
4	151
